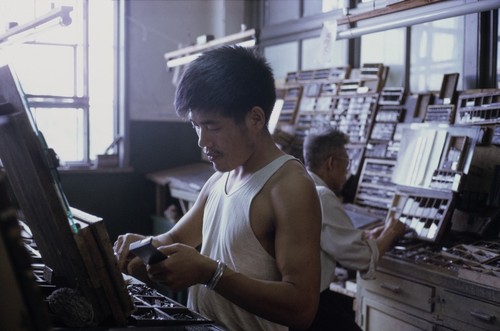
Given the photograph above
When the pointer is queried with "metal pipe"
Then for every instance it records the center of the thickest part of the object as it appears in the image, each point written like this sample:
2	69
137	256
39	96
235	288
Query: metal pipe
61	12
427	16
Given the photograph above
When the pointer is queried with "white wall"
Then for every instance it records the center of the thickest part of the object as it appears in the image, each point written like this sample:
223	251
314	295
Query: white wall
155	27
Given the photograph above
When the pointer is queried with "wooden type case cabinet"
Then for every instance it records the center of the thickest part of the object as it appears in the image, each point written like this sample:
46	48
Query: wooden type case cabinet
407	297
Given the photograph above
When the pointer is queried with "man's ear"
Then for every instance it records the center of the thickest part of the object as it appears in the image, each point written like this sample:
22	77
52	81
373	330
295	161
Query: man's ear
330	161
256	118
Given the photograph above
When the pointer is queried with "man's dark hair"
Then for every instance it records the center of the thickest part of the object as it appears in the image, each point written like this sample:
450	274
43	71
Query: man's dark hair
228	80
317	147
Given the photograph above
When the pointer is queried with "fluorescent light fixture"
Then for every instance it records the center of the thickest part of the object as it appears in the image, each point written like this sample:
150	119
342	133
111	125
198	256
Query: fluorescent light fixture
248	43
186	55
60	13
432	12
179	61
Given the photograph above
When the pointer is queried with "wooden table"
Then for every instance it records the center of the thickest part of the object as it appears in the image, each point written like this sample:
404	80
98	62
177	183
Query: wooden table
183	183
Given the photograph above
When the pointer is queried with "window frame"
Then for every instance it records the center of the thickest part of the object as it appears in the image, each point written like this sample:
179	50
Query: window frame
81	101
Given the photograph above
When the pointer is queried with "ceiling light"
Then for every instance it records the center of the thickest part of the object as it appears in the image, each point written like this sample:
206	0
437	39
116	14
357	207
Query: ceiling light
186	55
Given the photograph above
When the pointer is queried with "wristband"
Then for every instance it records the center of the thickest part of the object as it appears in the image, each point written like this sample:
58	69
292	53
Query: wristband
221	266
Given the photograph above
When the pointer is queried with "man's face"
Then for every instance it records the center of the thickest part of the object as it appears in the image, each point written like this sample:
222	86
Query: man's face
226	144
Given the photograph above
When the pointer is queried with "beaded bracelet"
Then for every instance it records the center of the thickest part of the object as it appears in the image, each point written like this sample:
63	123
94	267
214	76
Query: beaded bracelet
216	276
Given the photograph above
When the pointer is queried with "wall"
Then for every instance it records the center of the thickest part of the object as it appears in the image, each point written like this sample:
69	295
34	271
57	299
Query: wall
157	27
158	139
124	200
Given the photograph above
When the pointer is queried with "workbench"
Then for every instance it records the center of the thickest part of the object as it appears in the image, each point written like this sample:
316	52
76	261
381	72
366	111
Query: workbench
182	183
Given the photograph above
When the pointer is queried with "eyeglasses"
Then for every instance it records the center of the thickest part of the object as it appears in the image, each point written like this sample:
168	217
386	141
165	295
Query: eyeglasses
349	161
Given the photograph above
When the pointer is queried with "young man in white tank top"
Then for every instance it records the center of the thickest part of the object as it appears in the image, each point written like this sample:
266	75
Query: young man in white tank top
257	218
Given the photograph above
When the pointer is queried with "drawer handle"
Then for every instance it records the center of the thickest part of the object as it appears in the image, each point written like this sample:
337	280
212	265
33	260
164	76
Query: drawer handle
392	288
483	316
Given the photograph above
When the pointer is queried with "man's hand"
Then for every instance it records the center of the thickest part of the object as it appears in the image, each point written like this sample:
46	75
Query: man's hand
395	226
127	262
184	267
373	233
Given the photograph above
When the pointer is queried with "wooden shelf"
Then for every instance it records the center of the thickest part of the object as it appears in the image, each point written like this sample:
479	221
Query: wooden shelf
478	107
375	188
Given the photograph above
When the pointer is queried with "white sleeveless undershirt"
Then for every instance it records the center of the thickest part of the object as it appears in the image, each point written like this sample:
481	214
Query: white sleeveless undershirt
228	236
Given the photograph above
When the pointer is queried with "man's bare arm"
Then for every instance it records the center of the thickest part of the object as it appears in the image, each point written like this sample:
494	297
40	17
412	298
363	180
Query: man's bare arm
187	231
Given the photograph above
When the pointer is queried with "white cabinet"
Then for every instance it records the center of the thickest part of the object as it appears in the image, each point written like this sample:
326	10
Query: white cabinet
412	298
482	314
383	316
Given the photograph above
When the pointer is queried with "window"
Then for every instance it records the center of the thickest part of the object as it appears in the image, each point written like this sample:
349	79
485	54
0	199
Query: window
282	60
67	72
437	48
312	7
294	47
281	11
388	48
314	54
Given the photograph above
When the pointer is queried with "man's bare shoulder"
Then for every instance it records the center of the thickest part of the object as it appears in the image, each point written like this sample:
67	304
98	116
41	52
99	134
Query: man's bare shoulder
292	175
294	168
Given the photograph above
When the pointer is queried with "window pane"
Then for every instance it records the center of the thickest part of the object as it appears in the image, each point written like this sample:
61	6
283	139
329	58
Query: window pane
279	11
283	58
44	69
436	49
314	59
312	7
53	63
101	124
20	11
67	138
101	75
387	48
